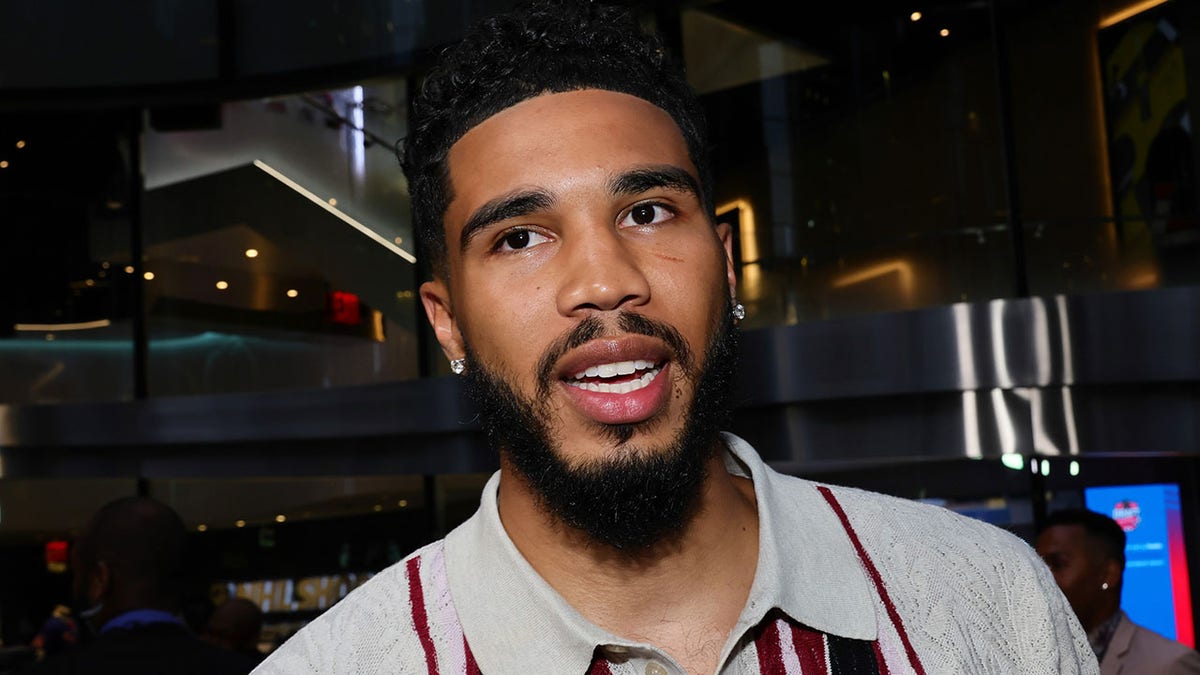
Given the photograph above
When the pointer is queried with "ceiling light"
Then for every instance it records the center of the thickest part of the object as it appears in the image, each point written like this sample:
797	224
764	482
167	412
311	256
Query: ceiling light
3	163
332	201
240	523
222	285
1132	10
291	292
945	32
129	269
1013	461
148	276
375	236
20	144
280	518
915	16
201	527
251	253
77	325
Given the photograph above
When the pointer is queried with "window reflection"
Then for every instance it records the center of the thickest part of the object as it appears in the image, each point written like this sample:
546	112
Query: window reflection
273	243
65	304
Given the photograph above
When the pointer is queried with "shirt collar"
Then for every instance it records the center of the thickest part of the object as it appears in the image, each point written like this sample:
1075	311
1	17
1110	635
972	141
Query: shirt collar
140	617
806	567
1101	636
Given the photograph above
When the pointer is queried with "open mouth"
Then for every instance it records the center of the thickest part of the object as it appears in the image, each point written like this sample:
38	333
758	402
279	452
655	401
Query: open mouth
621	377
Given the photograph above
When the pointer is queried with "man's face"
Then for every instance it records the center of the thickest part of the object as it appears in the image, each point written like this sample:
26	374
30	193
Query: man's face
591	291
573	206
1077	569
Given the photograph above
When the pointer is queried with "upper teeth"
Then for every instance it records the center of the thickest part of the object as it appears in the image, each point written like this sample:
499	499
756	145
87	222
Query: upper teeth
607	370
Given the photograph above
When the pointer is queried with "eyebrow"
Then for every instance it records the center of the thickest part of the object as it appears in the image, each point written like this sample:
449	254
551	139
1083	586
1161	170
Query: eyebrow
649	178
524	202
512	205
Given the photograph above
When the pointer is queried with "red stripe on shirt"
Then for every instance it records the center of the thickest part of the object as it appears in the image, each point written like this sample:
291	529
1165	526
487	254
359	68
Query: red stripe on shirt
879	660
876	578
810	650
416	598
472	667
599	667
770	654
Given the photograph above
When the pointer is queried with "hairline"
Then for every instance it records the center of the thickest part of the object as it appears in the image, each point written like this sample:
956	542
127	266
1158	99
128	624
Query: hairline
439	267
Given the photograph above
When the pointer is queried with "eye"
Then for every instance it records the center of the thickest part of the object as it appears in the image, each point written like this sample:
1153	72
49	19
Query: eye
648	213
518	239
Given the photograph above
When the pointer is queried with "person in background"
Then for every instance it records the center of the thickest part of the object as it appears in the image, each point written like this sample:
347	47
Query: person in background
128	570
582	285
236	624
1085	551
58	633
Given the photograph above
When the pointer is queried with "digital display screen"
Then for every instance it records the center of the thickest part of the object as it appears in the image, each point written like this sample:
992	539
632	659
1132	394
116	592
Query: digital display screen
1156	592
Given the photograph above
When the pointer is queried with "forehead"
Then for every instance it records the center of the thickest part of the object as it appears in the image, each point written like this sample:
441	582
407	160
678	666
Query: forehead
560	142
1063	539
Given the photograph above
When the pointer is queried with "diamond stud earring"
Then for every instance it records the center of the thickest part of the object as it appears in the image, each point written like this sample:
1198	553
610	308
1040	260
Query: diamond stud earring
739	311
457	366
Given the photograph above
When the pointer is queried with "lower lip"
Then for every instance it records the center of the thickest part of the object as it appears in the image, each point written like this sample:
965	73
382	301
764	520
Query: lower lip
631	408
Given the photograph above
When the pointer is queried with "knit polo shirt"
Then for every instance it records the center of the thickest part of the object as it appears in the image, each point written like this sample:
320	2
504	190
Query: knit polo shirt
847	581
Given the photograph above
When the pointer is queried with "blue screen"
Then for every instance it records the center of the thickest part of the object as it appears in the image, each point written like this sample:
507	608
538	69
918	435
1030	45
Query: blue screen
1156	593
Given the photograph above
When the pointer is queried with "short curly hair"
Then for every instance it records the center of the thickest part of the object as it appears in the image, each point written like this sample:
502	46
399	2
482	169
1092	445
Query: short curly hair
543	46
1103	531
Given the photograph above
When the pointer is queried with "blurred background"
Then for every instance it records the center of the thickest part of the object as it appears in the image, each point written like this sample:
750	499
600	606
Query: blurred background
967	236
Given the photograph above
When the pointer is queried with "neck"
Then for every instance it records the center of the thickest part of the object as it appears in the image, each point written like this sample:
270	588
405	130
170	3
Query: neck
1098	617
638	596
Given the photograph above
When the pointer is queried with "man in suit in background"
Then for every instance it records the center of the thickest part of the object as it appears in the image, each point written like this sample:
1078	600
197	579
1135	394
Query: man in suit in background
1086	552
128	568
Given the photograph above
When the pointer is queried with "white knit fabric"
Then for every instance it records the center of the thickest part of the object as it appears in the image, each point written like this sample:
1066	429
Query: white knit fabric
972	597
968	597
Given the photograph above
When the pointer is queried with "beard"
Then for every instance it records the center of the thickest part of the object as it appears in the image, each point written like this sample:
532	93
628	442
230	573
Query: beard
641	496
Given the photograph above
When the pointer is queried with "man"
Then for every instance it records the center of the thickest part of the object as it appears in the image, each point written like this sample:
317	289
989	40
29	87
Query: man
128	568
236	624
58	633
1086	552
562	196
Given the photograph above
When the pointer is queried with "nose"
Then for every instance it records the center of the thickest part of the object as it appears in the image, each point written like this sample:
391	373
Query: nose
601	273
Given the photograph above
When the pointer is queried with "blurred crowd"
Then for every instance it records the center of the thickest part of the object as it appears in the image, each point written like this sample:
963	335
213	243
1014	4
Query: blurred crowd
128	583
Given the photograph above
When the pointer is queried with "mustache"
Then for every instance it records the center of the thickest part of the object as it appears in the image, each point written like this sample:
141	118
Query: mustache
594	327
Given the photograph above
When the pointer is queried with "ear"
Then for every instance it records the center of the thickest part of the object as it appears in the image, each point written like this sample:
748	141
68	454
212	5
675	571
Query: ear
99	582
725	234
1112	574
435	296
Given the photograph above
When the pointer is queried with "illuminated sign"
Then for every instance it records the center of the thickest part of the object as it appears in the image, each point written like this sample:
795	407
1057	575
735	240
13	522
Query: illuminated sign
1127	514
291	595
342	307
1155	592
56	556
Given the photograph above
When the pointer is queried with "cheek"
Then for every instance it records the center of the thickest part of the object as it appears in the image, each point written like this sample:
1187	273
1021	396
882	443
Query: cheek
1074	580
686	272
501	320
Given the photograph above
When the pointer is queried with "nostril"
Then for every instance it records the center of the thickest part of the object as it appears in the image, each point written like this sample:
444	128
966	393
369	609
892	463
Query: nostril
596	280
